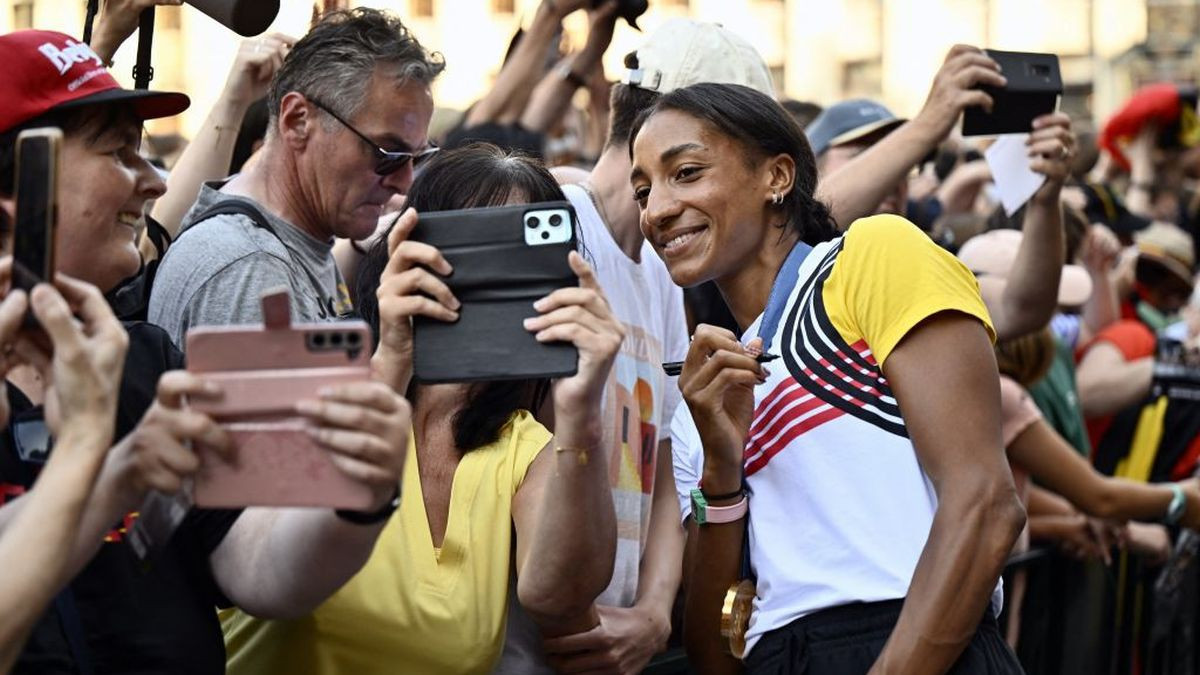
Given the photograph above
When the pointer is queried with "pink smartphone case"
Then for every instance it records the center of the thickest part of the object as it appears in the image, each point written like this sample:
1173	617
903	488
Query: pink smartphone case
263	372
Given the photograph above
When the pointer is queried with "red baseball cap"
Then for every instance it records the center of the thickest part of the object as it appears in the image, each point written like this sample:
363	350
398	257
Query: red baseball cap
51	71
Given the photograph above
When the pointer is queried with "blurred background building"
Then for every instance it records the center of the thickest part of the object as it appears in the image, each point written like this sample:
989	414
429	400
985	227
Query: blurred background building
818	50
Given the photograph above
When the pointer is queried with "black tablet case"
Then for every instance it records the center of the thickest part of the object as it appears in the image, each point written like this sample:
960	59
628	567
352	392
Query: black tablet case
1034	85
497	277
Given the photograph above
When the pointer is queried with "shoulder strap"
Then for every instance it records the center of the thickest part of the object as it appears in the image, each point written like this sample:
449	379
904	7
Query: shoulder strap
236	207
158	236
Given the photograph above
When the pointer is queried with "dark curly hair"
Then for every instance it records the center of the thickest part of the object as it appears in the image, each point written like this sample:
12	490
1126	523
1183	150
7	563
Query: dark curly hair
764	129
334	62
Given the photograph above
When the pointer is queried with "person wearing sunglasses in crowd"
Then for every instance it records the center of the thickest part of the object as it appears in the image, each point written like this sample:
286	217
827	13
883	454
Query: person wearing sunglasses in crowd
349	117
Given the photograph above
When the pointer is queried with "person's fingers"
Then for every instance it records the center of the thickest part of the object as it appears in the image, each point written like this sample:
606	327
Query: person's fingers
12	315
419	279
574	333
282	38
971	59
276	64
1057	133
754	347
358	470
401	228
90	305
411	253
974	97
569	314
173	456
723	360
589	298
719	372
54	316
1051	168
960	50
581	268
395	308
176	385
338	415
374	395
976	75
706	340
196	427
1051	148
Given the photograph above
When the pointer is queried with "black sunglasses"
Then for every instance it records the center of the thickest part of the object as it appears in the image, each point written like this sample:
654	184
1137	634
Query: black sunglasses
386	163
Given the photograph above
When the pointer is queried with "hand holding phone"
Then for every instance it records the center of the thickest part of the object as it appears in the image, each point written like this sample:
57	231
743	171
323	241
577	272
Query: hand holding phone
307	425
959	84
1031	90
498	262
1051	147
579	316
411	285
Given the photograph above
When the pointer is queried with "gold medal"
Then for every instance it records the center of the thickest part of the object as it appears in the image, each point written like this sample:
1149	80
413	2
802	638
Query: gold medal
735	616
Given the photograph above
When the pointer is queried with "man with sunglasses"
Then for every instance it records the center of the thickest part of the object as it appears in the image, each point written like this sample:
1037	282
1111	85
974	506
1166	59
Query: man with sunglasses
349	117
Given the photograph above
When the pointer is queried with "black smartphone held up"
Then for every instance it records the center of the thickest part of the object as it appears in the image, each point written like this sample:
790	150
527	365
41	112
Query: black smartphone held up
38	153
1034	85
504	259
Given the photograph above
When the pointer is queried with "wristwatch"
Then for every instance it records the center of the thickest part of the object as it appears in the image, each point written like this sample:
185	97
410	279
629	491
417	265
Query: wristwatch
374	517
1177	507
705	514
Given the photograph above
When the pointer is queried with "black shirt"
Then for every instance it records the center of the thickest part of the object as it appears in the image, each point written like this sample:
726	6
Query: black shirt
162	620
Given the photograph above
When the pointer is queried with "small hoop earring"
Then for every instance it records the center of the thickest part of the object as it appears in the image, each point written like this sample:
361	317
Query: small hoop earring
776	198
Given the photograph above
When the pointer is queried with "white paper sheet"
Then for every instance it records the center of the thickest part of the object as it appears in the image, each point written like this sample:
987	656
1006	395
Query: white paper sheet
1009	162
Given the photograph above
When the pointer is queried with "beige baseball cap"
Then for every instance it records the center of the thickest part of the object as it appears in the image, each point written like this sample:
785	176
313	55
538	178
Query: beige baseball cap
991	256
683	52
1169	246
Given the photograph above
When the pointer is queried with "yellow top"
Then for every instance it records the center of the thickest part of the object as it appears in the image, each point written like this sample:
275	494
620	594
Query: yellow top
412	609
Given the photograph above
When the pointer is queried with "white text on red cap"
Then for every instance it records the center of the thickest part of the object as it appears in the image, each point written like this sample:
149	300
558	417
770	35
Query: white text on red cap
74	52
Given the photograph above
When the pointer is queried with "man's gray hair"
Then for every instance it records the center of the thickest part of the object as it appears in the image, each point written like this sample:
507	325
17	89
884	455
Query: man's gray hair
334	62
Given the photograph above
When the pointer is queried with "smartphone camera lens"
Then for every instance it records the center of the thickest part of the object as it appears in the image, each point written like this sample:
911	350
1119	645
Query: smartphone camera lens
335	339
353	339
533	222
317	340
556	220
545	235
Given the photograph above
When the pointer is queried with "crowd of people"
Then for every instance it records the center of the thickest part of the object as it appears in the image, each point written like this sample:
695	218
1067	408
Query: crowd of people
889	387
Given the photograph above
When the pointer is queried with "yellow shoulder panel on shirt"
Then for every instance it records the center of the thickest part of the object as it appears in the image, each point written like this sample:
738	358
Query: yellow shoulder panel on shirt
889	277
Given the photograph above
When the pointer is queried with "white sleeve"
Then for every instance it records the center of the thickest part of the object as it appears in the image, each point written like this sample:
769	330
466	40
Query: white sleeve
687	458
675	346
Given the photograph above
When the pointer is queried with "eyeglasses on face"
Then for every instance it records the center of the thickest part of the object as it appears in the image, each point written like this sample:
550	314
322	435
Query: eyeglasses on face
386	162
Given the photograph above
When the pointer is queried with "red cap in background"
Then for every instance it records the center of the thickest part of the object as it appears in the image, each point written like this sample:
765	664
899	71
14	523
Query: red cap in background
45	70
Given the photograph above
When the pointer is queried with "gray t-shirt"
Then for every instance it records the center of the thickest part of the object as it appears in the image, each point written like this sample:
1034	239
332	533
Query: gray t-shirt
218	268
